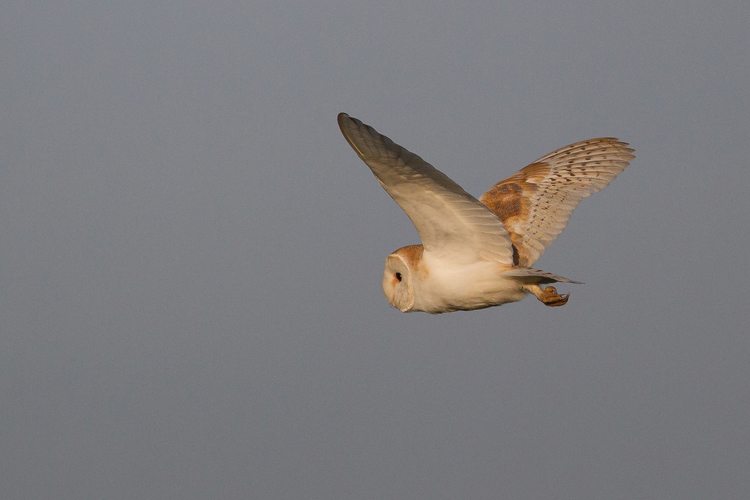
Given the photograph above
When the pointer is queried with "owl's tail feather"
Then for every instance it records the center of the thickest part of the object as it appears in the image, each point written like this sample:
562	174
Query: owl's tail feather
531	276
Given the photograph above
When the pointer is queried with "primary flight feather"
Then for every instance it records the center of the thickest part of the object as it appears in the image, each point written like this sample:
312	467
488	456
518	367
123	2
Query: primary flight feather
477	253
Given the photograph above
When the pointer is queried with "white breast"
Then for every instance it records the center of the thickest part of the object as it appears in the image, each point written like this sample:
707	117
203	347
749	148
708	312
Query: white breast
445	286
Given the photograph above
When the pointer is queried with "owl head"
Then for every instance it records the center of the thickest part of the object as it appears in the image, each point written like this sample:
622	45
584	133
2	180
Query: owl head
397	283
399	276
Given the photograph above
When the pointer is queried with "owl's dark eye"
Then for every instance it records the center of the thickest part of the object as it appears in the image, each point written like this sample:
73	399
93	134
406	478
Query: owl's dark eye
398	276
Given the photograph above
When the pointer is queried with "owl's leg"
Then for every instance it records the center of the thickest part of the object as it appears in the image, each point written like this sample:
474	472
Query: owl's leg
548	296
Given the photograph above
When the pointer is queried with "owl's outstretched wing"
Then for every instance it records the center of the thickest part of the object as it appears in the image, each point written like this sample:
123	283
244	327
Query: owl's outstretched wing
536	202
452	223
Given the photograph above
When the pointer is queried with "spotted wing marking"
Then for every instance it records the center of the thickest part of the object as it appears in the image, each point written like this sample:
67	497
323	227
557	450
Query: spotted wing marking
536	203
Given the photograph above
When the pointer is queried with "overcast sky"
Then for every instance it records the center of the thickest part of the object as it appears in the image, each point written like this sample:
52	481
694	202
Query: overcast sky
191	254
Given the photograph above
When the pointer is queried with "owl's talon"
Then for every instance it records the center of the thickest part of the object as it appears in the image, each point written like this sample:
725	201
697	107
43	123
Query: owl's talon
551	298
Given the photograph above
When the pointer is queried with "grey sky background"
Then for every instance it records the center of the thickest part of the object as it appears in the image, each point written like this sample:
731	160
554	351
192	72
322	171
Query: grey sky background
190	252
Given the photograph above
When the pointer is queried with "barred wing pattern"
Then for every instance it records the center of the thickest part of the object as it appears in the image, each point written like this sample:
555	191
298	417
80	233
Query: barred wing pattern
536	202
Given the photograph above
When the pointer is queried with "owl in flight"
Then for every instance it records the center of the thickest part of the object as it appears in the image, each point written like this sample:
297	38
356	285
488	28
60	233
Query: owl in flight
478	253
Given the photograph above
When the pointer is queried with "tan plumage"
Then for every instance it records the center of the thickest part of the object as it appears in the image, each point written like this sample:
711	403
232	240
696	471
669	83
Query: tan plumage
477	253
536	202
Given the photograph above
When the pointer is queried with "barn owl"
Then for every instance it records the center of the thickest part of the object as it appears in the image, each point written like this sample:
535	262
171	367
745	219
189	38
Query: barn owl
478	253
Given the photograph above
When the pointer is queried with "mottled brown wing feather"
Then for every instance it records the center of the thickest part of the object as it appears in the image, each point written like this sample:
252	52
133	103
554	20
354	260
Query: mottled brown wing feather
536	202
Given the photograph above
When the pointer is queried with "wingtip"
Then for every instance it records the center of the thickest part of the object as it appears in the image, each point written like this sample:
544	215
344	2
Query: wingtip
344	118
349	126
346	122
341	118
